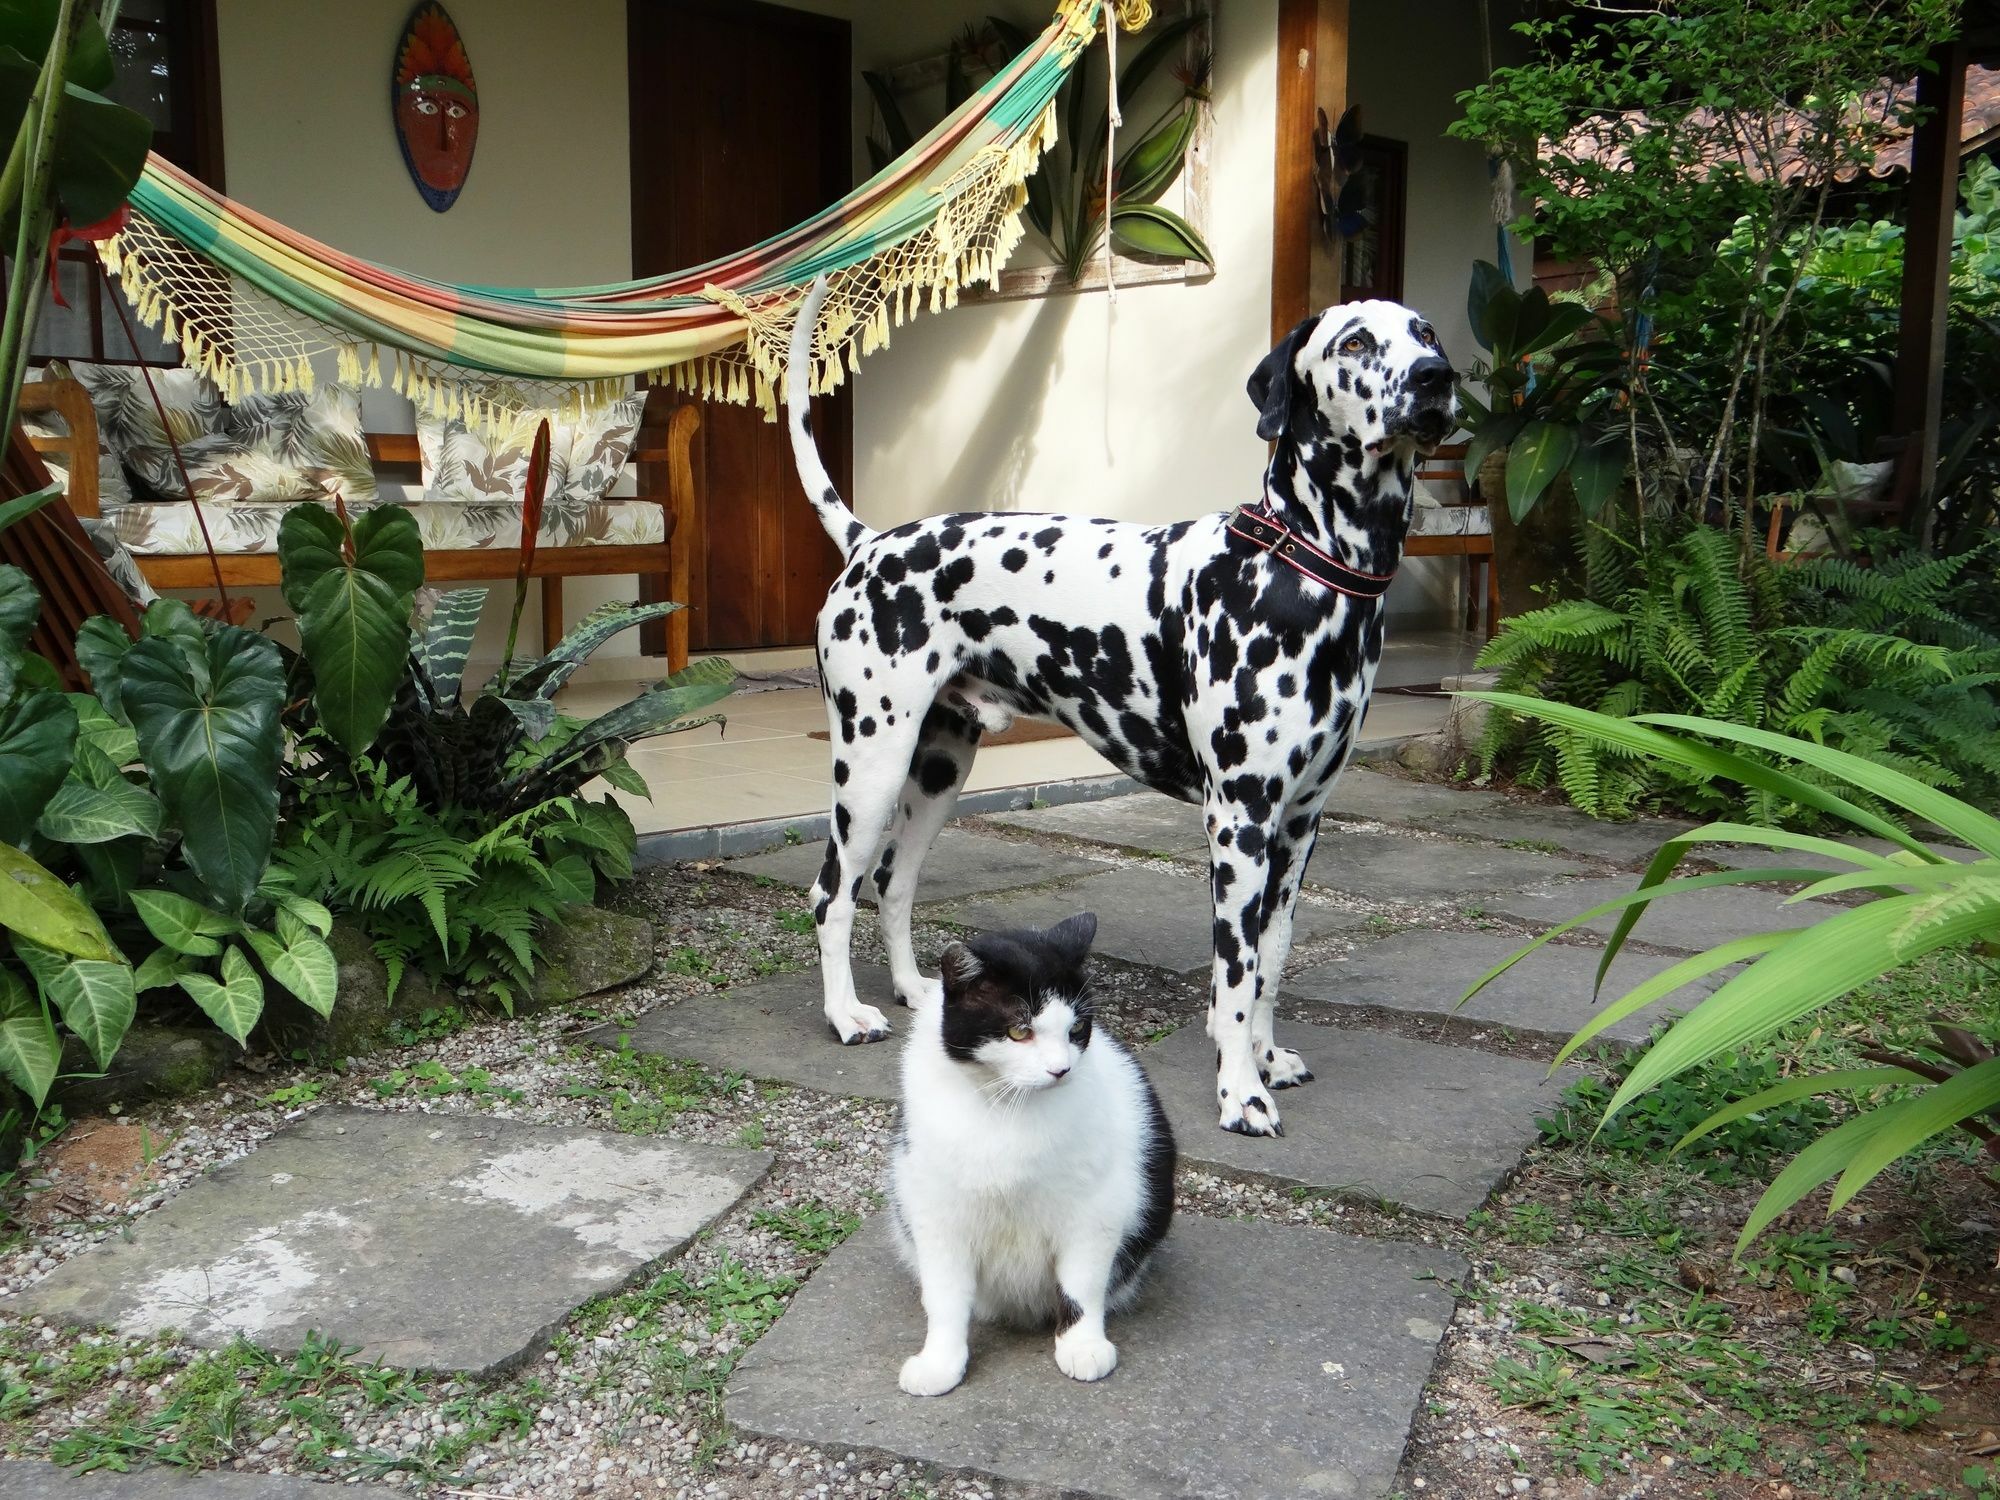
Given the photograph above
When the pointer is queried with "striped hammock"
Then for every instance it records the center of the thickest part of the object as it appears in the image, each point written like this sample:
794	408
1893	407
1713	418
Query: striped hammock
254	305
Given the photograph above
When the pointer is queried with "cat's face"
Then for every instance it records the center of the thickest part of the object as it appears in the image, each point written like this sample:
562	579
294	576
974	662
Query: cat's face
1018	1003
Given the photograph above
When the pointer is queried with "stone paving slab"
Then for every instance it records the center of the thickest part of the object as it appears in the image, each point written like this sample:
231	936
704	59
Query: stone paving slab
1262	1362
775	1028
1432	1127
22	1480
434	1242
1143	916
1145	822
961	863
1387	866
1476	814
1688	923
1548	994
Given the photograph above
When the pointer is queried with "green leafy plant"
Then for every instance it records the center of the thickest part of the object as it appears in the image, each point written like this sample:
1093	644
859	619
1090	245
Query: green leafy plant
1876	661
139	821
455	896
1553	396
1920	901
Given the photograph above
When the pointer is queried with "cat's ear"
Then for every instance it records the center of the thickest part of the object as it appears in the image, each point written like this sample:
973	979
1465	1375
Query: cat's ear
1073	936
959	967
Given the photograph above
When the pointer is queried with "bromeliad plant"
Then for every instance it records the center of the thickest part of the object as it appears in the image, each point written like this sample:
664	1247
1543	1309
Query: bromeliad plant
1922	901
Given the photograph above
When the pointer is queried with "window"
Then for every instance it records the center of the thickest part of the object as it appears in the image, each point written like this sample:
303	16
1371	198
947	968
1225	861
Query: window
164	54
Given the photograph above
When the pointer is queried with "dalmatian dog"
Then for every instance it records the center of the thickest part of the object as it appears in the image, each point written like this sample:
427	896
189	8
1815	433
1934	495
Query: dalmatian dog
1196	656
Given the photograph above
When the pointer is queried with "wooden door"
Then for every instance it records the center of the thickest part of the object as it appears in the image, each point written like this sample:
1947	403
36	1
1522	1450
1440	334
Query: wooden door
740	129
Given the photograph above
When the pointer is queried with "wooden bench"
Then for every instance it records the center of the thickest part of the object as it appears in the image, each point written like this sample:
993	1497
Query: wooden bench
660	456
1446	468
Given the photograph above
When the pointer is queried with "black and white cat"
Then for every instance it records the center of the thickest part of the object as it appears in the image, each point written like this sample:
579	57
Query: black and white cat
1034	1171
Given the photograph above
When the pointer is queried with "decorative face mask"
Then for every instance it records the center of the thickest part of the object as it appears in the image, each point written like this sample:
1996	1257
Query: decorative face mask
436	104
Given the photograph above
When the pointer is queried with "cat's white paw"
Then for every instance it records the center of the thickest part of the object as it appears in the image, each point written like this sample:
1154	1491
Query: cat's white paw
1085	1356
857	1024
930	1374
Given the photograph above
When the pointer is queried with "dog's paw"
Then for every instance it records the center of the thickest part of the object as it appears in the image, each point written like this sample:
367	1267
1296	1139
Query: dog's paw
1285	1069
930	1374
926	991
1084	1356
861	1023
1249	1112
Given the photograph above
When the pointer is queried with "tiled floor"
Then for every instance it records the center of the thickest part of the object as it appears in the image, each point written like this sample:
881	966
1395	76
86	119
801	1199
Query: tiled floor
763	764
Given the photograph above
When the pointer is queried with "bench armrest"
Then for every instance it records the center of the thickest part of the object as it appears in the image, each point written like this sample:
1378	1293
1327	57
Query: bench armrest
75	450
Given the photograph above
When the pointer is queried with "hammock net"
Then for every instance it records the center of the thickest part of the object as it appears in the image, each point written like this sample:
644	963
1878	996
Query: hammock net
257	306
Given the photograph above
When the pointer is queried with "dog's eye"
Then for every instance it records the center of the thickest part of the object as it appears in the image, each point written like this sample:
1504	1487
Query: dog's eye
1018	1033
1352	346
1430	339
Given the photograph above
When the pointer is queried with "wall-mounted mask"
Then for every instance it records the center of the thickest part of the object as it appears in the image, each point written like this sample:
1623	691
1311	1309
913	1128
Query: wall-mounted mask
436	104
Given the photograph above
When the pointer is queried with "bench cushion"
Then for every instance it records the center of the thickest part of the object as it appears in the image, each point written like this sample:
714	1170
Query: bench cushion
1430	519
472	467
263	447
162	527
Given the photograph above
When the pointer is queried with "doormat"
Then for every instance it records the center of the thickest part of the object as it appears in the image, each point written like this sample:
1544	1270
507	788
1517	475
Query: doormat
1020	732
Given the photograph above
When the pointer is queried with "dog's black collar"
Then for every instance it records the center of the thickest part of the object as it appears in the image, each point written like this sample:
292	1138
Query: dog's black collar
1259	525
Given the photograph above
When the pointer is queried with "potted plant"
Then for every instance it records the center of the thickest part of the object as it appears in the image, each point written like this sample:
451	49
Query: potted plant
1548	439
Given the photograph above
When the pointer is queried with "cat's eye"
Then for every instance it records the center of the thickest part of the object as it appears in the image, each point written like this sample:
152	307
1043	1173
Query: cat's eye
1019	1033
1080	1032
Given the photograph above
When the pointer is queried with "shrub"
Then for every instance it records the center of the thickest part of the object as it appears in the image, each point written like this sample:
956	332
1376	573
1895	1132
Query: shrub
1920	901
1876	661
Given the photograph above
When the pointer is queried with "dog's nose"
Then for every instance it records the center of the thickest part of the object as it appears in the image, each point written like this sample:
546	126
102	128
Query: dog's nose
1431	376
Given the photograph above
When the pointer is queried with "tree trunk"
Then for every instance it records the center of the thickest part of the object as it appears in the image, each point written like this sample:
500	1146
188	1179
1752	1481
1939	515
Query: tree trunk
1537	559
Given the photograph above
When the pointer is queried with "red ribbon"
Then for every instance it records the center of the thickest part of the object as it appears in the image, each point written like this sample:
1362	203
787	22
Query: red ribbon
64	232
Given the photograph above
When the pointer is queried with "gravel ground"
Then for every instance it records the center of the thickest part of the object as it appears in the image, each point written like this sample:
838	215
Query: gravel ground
626	1401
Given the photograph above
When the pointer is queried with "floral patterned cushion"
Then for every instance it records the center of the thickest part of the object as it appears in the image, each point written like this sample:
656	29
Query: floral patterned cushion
585	456
285	445
157	528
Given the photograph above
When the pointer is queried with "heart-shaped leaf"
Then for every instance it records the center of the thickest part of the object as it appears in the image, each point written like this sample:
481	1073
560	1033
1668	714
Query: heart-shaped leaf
100	146
303	964
28	26
37	735
96	999
38	906
20	604
163	967
96	726
353	604
183	925
572	880
236	1001
306	912
101	644
1539	452
211	739
30	1053
80	813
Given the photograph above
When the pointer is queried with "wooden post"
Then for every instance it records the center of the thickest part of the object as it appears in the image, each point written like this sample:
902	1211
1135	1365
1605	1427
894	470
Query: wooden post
1312	75
1920	343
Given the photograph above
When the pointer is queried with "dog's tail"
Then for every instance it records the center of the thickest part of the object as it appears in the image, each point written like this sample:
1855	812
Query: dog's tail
833	512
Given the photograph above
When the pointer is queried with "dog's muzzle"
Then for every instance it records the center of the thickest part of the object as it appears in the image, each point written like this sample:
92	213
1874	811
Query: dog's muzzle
1431	411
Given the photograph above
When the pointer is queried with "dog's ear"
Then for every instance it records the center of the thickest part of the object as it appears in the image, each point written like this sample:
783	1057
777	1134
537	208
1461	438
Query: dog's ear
1272	382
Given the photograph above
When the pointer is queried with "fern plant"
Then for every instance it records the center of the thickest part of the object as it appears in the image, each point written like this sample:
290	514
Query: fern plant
461	903
1879	662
